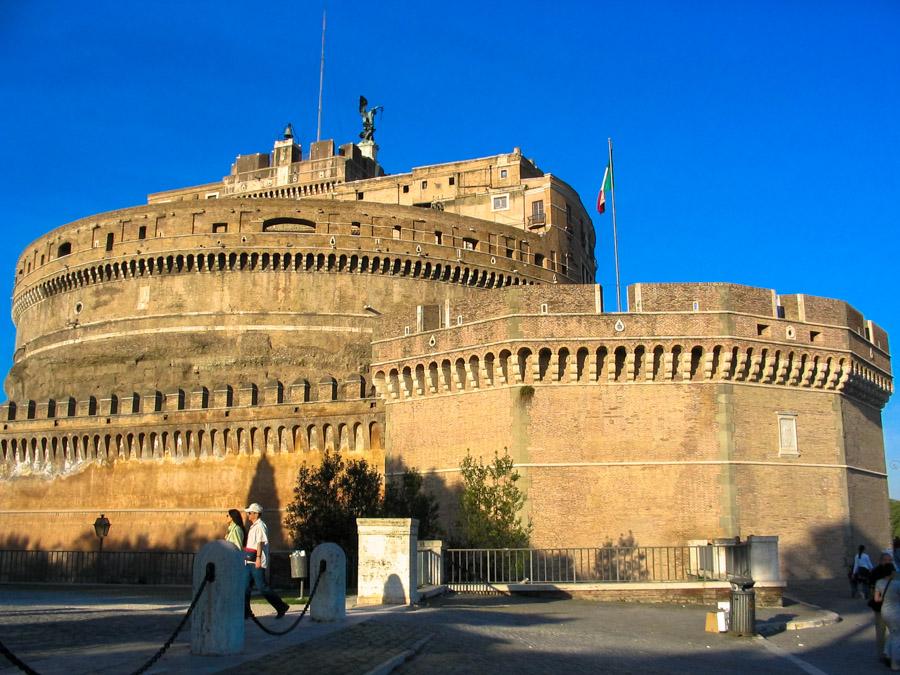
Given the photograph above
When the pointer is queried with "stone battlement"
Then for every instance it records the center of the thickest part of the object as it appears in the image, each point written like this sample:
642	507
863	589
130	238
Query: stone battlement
30	444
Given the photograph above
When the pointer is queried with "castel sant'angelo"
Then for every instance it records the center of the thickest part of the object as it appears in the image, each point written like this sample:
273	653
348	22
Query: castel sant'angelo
185	356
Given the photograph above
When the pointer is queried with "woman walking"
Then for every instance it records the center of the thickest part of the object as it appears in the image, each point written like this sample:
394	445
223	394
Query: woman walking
236	533
859	574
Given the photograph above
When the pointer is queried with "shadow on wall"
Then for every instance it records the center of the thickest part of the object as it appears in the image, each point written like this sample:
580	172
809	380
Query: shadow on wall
187	540
263	491
446	496
827	552
394	594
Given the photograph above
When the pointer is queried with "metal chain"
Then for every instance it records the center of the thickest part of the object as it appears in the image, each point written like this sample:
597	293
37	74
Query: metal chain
209	577
312	594
16	661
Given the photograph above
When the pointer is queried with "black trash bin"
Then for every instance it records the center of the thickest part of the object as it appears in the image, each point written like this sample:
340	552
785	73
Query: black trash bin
743	607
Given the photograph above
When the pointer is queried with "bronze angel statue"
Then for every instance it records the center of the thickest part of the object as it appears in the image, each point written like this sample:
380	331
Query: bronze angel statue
368	119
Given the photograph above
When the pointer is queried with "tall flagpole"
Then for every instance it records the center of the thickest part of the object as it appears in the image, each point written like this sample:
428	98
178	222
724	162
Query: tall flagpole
321	80
612	190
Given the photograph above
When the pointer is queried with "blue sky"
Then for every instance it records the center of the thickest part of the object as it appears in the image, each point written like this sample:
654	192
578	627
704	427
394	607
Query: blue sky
756	142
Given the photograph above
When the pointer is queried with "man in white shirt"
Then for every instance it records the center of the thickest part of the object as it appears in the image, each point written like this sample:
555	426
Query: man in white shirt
256	551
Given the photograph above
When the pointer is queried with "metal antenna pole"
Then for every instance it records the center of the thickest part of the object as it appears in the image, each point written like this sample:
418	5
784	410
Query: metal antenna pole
612	190
321	80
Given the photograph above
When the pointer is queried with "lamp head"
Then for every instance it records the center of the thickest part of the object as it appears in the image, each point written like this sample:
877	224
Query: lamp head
101	526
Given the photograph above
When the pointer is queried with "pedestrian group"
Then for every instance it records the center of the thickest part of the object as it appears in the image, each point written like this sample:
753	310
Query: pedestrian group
252	540
880	586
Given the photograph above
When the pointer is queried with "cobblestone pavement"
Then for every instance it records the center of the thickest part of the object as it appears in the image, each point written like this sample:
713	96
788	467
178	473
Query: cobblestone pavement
76	630
51	629
114	630
354	651
845	647
534	636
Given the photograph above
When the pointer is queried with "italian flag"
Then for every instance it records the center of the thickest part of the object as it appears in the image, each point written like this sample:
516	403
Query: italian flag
605	188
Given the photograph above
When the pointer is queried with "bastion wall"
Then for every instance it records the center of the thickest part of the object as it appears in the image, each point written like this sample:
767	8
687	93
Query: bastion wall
653	427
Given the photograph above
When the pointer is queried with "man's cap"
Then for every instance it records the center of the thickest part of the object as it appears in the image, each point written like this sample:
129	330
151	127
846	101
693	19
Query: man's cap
253	508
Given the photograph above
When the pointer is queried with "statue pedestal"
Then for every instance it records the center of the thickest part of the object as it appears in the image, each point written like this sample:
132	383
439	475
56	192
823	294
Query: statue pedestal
369	149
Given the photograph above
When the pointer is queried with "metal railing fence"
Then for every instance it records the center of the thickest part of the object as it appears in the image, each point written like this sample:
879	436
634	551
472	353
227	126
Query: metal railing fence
128	567
428	567
478	567
110	567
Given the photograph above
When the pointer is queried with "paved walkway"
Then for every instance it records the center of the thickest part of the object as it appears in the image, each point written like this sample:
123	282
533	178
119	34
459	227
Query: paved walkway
114	630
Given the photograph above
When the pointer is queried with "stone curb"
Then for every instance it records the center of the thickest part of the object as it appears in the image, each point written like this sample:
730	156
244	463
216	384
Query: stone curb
395	661
824	617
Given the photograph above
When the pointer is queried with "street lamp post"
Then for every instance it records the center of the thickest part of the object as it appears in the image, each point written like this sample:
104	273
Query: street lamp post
101	528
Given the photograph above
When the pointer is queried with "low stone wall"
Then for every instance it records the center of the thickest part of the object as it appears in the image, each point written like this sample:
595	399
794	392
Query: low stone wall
708	593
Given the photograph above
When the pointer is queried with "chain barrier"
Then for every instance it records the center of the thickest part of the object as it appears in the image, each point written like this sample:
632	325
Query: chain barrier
312	594
16	661
208	578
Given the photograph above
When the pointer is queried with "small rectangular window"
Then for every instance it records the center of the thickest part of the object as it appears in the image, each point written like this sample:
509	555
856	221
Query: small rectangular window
470	244
142	232
438	237
424	184
405	189
354	229
762	329
503	173
109	244
500	203
360	195
787	435
396	231
219	228
451	180
815	336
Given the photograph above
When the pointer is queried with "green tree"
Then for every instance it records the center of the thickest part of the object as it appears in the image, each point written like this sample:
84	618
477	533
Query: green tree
895	517
405	498
328	499
490	504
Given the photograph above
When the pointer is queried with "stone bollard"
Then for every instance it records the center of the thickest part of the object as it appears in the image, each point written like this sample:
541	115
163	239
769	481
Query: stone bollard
217	624
330	601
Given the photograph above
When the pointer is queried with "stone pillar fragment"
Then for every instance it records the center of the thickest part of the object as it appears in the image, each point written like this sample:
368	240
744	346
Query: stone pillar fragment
330	601
217	624
387	561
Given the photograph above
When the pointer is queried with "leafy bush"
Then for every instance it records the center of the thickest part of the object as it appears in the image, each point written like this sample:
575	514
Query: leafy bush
490	504
329	498
404	498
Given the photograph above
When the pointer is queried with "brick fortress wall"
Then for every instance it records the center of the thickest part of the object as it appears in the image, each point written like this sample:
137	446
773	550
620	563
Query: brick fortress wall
656	427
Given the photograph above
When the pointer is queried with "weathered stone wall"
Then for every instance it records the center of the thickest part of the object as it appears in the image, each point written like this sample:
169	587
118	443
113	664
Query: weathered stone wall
166	479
